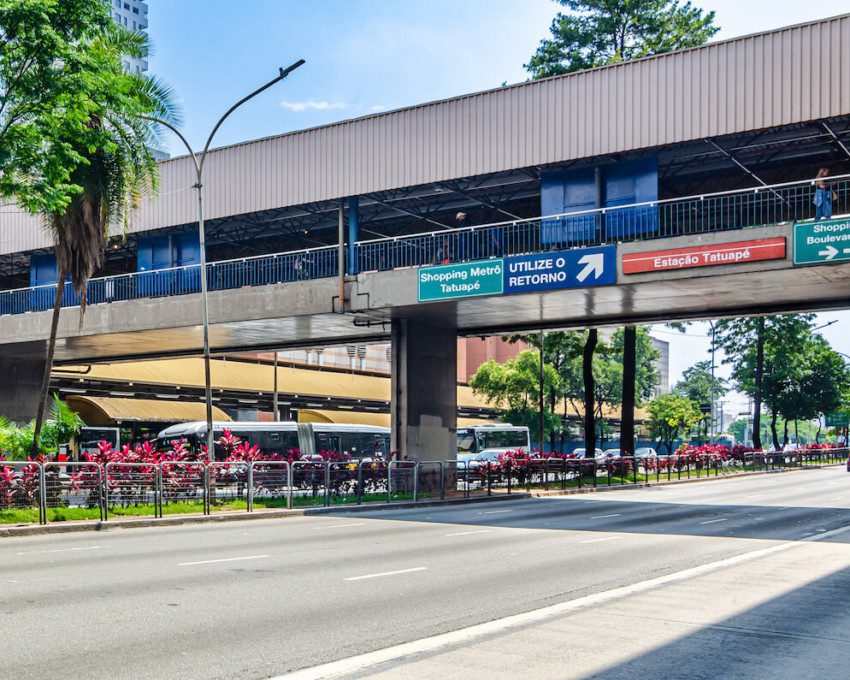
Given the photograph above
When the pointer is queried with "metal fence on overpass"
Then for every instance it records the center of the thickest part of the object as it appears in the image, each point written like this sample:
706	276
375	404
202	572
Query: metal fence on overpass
714	212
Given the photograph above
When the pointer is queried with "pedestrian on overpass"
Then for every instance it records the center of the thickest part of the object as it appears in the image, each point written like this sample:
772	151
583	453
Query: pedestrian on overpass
823	196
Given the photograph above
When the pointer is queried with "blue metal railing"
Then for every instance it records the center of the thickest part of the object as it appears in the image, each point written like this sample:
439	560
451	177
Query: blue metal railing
640	221
722	211
314	263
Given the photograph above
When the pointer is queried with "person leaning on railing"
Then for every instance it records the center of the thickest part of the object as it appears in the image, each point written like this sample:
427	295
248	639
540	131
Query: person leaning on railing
824	196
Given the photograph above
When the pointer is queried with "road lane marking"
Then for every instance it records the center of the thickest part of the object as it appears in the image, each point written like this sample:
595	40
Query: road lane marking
354	664
837	498
493	512
385	573
224	559
712	521
341	526
618	514
467	533
600	540
59	550
755	495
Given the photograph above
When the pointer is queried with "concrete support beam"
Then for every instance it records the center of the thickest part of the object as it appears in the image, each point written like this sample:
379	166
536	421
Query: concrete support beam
20	385
424	390
353	232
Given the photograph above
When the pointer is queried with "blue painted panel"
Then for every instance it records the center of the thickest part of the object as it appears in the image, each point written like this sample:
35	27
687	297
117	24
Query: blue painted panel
577	268
627	183
624	183
43	270
186	250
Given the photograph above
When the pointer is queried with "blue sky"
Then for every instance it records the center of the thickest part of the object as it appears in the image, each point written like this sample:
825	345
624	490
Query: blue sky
372	55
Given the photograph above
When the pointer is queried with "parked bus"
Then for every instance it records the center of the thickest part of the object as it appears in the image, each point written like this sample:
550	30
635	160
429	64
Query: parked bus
488	441
358	441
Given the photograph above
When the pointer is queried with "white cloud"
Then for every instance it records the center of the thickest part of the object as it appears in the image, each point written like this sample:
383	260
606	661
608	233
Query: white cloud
313	105
378	108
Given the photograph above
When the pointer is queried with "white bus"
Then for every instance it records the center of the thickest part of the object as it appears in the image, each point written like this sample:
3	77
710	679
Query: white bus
358	441
488	441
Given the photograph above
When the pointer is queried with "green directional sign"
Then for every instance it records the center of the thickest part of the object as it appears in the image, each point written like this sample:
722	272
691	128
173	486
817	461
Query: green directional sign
469	279
822	242
837	420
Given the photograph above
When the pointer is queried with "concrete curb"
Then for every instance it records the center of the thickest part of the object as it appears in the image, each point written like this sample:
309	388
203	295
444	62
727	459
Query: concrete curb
177	520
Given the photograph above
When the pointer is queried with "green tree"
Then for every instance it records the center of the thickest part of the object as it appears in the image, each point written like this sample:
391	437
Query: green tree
117	167
47	97
761	351
515	387
696	383
671	415
16	442
598	32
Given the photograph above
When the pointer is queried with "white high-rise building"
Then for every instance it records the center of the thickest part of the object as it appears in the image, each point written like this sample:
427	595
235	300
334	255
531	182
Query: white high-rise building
132	15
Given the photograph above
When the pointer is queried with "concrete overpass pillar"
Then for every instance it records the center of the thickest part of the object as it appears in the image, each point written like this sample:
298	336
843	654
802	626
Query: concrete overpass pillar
20	385
424	390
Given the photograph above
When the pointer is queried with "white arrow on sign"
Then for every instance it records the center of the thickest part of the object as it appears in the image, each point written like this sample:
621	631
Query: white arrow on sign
594	263
829	253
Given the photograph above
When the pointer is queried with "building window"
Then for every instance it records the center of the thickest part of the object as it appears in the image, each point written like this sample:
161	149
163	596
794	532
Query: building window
126	5
135	10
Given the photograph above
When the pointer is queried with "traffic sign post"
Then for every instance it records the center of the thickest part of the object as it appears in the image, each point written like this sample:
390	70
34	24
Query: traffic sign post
837	420
822	242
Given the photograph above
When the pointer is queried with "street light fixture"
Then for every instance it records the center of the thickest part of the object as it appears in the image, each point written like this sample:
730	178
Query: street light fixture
198	160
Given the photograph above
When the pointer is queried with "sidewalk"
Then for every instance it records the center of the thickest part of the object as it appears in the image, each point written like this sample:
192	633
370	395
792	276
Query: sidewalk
778	616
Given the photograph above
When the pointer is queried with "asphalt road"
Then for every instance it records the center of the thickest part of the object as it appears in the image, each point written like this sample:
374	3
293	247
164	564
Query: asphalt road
258	599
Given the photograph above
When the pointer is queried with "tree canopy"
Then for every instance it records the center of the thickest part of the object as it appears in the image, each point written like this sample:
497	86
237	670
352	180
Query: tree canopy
671	415
598	32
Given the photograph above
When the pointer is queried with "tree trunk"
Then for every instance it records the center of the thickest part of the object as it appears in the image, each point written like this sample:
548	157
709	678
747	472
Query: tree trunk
773	415
627	416
589	388
785	433
48	361
758	378
796	433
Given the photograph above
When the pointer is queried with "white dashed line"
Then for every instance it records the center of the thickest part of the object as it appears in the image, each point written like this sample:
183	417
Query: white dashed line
619	514
342	526
712	521
494	512
467	533
600	540
59	550
385	573
226	559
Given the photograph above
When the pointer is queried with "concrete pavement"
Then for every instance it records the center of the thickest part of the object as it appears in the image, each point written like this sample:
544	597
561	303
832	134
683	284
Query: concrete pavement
261	599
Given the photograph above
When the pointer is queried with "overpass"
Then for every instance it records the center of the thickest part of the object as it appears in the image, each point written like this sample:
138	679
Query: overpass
648	215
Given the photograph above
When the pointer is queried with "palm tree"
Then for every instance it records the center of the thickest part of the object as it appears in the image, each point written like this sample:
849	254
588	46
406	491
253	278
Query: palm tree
118	171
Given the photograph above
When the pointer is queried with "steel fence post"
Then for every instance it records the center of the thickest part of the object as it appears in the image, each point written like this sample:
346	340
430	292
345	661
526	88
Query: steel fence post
416	482
510	473
327	498
157	490
289	481
42	495
250	482
442	481
489	480
359	482
389	477
207	507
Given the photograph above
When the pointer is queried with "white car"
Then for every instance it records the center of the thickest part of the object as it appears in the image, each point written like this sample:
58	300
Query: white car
646	452
582	453
614	453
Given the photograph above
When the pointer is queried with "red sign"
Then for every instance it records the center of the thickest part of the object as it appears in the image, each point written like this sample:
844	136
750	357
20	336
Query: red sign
705	256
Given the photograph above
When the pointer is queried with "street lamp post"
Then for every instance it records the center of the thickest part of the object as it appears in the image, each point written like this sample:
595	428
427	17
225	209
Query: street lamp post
198	160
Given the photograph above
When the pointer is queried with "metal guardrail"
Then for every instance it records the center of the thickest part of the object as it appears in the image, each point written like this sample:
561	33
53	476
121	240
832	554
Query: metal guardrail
711	212
58	488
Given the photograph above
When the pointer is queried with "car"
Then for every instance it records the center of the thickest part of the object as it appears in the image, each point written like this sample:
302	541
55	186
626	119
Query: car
582	453
614	453
646	452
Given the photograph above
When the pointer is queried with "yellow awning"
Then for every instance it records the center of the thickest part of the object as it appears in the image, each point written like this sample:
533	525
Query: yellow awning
102	411
250	377
309	415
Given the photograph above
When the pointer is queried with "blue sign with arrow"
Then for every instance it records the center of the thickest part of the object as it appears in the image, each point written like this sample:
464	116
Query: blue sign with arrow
578	268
